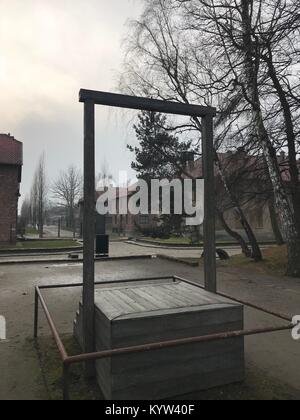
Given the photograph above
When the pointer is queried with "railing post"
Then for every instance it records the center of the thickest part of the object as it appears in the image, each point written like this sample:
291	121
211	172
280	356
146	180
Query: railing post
36	314
66	382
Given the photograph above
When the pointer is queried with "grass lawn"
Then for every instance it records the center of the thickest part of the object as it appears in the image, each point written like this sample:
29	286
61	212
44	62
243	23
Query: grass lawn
41	245
187	241
184	241
275	261
51	368
31	231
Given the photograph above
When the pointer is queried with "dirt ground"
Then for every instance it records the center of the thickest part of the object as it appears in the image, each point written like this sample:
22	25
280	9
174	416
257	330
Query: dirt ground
275	356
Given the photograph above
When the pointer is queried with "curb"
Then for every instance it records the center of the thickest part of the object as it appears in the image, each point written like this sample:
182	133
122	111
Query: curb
170	244
187	246
178	260
79	261
149	245
30	251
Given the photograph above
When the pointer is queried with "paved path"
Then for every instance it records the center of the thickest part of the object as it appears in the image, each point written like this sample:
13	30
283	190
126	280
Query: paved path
51	232
184	252
121	249
277	354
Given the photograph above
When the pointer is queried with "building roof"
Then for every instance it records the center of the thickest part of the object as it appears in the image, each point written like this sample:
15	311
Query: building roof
11	150
232	162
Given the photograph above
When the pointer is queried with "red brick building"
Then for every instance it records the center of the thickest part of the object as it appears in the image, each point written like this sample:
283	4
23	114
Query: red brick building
11	161
127	224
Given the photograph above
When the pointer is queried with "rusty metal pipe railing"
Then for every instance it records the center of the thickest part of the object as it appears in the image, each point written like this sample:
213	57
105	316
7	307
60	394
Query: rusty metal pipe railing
103	283
39	297
243	302
173	343
52	326
67	360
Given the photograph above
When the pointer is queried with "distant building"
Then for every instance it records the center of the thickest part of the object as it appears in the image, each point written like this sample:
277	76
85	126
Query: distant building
247	176
235	167
11	161
121	224
129	224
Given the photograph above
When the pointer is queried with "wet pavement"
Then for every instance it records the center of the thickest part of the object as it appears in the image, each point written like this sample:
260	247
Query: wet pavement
119	249
20	378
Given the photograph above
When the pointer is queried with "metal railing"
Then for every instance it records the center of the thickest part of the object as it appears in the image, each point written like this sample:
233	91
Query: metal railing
68	361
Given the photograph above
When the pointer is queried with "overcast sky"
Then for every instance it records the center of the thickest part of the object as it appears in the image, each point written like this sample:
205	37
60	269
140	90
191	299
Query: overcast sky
49	49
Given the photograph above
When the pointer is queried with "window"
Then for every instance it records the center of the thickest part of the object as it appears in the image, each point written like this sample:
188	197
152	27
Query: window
256	217
260	218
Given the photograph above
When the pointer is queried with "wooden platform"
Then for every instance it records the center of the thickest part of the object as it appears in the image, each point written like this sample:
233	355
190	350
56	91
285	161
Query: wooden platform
146	313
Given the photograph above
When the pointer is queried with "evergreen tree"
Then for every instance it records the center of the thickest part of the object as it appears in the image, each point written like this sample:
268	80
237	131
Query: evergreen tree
160	155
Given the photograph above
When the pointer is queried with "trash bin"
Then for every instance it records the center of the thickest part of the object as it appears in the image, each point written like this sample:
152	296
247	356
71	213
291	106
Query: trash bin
102	246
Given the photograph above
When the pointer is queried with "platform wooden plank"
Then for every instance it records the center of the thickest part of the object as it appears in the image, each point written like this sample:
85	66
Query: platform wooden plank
128	315
124	301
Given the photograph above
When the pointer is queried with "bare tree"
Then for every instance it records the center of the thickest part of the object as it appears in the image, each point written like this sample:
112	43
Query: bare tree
162	62
42	191
104	178
67	190
39	196
240	57
25	216
260	42
34	204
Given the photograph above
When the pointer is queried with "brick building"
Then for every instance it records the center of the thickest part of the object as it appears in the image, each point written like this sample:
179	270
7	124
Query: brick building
247	176
11	161
121	224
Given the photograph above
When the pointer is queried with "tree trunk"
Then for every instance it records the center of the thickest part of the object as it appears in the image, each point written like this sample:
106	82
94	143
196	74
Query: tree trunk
274	221
282	204
293	247
256	252
235	235
41	222
291	139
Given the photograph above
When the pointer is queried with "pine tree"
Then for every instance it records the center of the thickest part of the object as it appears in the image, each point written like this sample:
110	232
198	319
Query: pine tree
159	155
